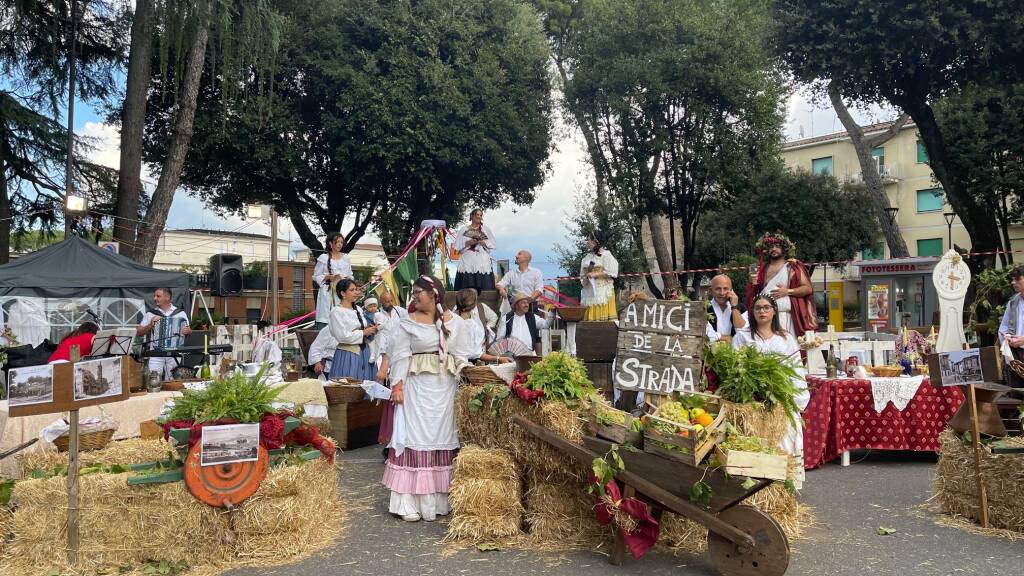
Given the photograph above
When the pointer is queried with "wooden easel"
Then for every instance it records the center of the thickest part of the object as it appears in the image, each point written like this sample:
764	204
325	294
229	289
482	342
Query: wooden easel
73	467
976	442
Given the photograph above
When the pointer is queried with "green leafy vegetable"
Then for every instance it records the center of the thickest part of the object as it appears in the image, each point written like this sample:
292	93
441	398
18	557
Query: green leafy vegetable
701	493
562	377
6	488
883	531
746	376
234	397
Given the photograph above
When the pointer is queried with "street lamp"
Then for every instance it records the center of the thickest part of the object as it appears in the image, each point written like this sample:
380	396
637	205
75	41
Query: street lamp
891	211
949	216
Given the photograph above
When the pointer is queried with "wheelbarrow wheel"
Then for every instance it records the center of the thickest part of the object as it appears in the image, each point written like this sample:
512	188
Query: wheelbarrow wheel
769	558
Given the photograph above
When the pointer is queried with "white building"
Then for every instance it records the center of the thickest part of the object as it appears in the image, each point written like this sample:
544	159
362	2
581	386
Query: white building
192	248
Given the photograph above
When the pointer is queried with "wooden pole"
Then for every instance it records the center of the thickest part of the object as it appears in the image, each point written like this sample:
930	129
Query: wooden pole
73	465
976	441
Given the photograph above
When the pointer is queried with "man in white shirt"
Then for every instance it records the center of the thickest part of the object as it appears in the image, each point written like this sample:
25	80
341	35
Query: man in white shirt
725	315
166	327
523	279
1011	329
522	324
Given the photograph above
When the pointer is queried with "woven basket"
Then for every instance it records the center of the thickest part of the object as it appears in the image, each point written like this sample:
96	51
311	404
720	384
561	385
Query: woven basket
481	376
91	440
572	313
887	371
343	392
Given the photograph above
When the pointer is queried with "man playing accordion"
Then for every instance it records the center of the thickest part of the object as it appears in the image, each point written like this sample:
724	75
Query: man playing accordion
166	327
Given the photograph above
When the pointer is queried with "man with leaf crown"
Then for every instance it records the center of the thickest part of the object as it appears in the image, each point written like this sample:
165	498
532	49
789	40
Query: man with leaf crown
785	280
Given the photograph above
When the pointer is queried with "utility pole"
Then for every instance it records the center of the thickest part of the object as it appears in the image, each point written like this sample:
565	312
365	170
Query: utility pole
69	187
274	313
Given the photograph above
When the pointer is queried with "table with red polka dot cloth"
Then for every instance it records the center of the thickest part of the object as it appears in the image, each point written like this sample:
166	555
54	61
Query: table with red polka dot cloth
841	416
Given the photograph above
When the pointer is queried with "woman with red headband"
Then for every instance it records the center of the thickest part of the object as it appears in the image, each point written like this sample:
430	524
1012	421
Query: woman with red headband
424	364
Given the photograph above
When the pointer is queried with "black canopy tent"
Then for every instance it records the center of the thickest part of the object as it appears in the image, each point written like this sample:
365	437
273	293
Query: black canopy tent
74	279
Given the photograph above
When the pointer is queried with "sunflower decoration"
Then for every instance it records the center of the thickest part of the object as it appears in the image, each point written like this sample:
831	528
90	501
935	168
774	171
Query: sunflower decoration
770	239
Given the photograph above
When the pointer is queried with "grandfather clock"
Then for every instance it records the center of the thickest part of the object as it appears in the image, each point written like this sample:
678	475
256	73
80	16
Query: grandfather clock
951	278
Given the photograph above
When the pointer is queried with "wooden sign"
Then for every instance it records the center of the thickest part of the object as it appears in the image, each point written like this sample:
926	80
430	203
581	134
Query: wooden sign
98	382
660	346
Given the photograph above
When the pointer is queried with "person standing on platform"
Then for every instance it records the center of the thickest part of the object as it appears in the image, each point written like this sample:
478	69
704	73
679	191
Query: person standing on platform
352	331
786	280
1011	329
330	266
475	242
725	313
523	279
598	271
165	327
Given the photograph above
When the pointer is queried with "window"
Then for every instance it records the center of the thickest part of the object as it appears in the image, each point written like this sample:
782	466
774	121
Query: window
822	166
253	315
876	252
930	200
929	247
879	155
922	154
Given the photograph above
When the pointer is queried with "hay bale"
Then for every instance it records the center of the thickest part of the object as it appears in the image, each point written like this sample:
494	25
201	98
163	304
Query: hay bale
957	489
129	525
756	420
486	496
680	534
493	430
560	515
133	451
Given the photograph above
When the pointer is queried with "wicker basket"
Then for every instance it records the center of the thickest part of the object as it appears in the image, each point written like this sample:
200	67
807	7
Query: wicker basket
343	392
481	376
177	385
887	371
91	440
572	313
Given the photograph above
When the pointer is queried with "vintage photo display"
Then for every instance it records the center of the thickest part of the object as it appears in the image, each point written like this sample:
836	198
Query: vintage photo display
230	443
98	378
30	385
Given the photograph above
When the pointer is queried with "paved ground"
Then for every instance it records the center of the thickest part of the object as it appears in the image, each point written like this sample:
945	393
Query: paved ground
850	504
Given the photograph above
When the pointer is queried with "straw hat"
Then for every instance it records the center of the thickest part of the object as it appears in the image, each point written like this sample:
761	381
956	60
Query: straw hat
519	296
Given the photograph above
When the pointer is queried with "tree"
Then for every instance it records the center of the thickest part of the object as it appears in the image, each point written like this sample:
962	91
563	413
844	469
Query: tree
383	114
869	169
823	218
683	98
909	54
984	125
33	144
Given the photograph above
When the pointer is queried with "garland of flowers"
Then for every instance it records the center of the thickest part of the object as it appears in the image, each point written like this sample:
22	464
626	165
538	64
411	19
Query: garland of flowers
770	239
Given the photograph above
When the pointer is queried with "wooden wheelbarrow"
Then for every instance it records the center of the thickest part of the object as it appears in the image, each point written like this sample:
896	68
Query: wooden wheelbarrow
742	540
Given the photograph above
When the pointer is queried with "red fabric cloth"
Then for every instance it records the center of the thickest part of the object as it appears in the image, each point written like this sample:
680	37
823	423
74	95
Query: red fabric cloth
63	351
643	538
387	423
841	416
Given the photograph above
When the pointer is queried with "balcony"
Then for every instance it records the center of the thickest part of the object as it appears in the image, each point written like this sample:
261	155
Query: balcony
889	175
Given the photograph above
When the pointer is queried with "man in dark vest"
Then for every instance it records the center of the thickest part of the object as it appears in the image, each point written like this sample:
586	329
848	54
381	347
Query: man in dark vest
521	324
725	313
1011	330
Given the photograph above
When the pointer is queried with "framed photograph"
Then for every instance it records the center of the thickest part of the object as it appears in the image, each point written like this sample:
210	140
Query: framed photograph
97	378
961	367
30	385
229	443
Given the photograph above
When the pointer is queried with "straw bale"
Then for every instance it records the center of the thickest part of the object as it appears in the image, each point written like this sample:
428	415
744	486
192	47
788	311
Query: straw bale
295	512
957	489
486	496
560	515
756	420
680	534
133	451
489	430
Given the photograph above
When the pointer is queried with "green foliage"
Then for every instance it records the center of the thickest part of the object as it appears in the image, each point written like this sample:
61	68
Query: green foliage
383	113
612	221
6	489
790	201
562	377
234	397
701	493
605	468
992	290
747	376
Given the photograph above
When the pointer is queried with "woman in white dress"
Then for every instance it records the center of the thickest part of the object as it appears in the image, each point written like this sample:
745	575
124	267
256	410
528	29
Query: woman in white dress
598	271
352	331
424	368
330	266
475	242
764	332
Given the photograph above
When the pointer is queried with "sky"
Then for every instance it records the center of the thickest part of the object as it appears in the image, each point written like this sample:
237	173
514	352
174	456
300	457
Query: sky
537	228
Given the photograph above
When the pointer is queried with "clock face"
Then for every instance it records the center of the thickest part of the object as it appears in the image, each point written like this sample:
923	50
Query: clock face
951	278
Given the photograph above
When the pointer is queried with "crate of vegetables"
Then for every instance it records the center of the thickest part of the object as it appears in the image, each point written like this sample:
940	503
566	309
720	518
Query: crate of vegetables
685	430
752	457
616	425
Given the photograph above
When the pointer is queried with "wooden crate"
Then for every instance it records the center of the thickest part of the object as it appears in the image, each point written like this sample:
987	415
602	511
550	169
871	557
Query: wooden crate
150	430
694	450
596	341
600	373
618	433
753	464
355	424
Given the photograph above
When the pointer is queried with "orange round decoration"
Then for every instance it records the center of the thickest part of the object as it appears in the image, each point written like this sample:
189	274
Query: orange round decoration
224	485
